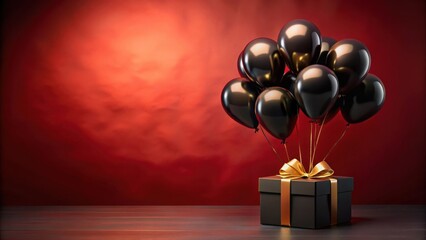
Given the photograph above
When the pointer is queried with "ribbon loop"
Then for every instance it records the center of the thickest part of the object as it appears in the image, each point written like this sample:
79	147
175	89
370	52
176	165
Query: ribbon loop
294	169
321	170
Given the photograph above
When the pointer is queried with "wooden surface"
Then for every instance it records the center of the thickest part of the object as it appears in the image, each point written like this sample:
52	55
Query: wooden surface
198	222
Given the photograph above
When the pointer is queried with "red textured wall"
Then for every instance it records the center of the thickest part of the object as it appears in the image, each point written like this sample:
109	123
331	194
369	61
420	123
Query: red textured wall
118	102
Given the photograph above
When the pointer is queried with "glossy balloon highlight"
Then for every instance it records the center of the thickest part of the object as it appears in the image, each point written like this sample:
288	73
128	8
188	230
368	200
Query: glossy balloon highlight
238	100
300	43
364	101
350	60
277	112
316	90
263	62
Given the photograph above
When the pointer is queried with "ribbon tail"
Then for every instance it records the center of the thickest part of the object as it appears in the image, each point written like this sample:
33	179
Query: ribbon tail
333	201
285	202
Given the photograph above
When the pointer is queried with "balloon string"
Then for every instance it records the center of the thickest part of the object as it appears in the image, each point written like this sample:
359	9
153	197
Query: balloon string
319	135
310	148
286	151
315	133
338	140
270	144
313	144
298	141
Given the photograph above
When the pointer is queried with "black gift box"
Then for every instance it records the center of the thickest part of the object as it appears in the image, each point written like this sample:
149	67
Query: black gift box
310	205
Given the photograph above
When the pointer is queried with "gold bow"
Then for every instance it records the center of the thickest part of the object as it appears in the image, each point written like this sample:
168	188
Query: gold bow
294	170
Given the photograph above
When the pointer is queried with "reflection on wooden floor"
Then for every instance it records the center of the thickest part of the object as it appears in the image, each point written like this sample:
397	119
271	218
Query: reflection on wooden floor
197	222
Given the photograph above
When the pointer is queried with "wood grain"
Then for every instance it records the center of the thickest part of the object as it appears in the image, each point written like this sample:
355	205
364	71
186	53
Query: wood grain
198	222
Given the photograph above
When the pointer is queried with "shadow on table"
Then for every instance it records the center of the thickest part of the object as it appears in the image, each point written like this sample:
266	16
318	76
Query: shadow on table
357	221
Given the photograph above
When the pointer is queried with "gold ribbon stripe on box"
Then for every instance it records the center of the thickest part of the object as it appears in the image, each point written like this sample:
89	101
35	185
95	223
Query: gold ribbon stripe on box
295	170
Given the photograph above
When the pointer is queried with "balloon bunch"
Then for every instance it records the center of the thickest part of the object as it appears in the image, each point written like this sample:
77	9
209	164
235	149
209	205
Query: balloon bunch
324	77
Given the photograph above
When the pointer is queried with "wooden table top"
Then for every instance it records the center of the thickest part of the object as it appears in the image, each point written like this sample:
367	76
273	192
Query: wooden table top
199	222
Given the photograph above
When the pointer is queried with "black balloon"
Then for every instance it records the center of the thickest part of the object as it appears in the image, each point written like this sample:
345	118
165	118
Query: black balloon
240	67
350	60
288	81
326	44
238	99
316	91
364	101
277	111
331	113
263	62
300	43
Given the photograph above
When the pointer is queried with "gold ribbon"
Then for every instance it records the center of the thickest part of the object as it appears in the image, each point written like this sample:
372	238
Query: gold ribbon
295	170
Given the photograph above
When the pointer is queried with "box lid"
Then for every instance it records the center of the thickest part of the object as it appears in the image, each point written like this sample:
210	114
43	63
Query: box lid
304	186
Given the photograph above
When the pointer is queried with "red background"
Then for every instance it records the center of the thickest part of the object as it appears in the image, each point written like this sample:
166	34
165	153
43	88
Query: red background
118	102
